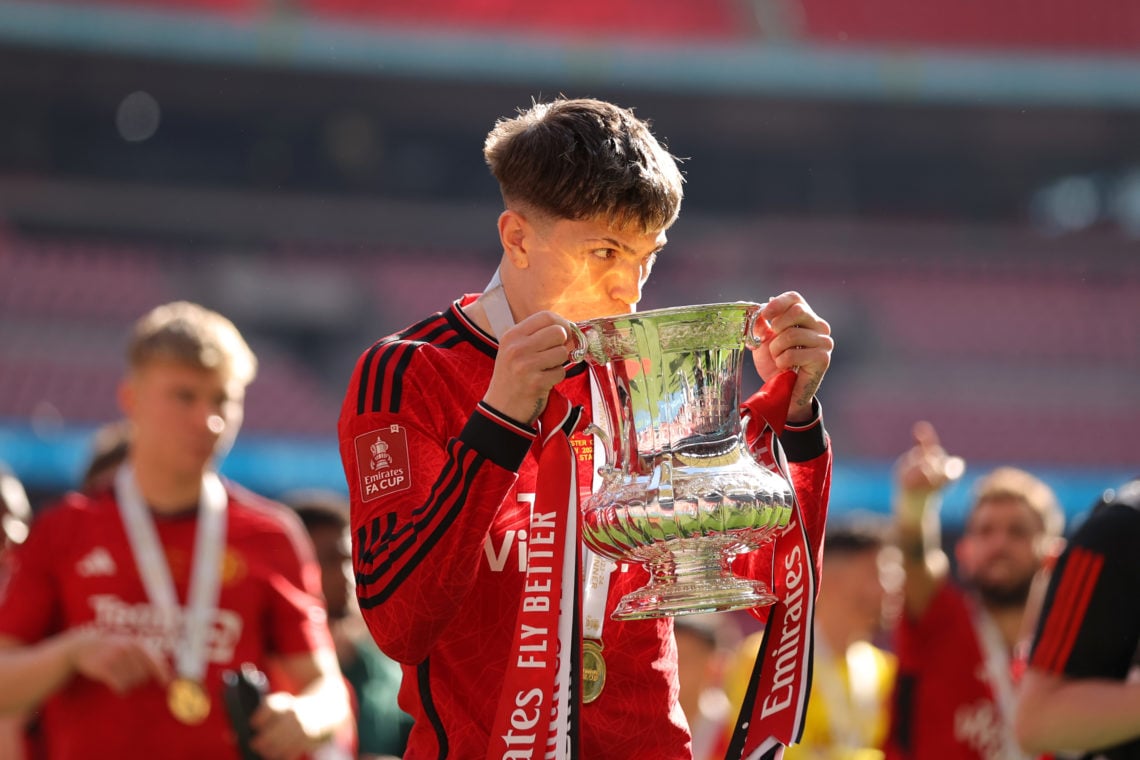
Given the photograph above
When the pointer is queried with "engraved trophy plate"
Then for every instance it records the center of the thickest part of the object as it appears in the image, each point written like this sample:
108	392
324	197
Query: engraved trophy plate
680	494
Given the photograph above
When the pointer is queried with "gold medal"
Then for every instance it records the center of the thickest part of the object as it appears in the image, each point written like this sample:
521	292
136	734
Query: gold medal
593	670
188	701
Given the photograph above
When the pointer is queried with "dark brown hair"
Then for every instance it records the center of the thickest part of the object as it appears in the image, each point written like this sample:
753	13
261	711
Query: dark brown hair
584	159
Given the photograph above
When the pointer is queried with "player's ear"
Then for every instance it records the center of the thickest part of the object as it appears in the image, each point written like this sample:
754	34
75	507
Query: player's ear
515	233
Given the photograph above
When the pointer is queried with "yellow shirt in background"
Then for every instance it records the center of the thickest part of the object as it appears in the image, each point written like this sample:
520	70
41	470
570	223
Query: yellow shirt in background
848	710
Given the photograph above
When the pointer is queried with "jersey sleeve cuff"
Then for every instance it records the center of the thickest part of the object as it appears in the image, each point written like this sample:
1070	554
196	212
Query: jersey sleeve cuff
804	441
499	438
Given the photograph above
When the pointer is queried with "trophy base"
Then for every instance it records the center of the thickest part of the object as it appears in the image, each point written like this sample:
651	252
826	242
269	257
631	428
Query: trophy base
676	599
689	579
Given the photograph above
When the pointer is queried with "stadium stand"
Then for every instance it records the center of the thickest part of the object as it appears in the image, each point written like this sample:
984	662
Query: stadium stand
1066	26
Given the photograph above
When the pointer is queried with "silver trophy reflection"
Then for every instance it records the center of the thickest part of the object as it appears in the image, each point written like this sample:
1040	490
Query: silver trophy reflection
680	492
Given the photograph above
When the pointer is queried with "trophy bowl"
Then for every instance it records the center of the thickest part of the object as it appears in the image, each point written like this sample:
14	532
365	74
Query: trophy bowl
680	493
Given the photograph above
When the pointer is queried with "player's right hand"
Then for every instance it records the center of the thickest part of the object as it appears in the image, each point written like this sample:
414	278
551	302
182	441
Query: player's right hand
927	468
529	364
120	662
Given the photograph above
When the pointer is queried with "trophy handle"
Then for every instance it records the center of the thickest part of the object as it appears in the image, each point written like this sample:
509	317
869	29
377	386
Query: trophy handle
581	344
610	466
751	340
752	426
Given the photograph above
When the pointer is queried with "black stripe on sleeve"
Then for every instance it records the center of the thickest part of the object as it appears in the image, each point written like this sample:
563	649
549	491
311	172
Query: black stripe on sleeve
429	521
399	353
362	380
392	379
423	681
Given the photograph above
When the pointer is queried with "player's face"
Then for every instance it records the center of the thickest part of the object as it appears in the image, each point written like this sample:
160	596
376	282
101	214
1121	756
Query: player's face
182	416
1002	549
585	269
334	553
854	588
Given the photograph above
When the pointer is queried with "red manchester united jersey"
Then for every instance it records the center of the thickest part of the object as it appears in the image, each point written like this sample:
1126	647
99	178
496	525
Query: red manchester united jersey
948	699
1090	622
442	490
77	569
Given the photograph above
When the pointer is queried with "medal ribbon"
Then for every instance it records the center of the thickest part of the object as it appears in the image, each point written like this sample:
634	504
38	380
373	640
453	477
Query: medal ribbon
1001	680
191	625
595	590
495	306
596	569
772	713
539	700
540	697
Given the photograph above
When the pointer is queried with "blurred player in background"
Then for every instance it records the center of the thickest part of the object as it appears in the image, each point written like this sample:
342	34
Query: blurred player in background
1081	692
123	608
958	644
382	727
15	517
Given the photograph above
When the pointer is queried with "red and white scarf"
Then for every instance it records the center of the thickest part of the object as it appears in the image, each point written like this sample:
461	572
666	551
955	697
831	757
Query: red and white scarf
775	703
540	701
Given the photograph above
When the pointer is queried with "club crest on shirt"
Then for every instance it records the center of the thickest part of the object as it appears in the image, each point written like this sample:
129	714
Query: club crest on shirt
382	462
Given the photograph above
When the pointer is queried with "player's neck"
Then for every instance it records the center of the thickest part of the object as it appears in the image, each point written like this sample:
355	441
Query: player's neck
1008	621
166	492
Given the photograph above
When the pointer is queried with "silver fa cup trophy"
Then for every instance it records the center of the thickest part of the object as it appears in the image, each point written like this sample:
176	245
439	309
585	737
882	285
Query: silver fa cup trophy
680	491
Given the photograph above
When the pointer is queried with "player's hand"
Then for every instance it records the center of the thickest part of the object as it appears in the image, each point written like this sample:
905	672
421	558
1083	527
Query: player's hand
120	662
926	468
529	364
795	336
278	733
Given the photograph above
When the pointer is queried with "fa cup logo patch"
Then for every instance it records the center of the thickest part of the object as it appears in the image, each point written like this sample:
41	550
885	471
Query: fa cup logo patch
382	462
380	458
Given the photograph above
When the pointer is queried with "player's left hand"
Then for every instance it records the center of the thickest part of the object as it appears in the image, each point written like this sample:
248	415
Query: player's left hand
279	733
795	337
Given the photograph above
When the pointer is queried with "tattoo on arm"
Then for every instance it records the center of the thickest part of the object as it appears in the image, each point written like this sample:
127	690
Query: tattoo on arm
808	391
538	407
